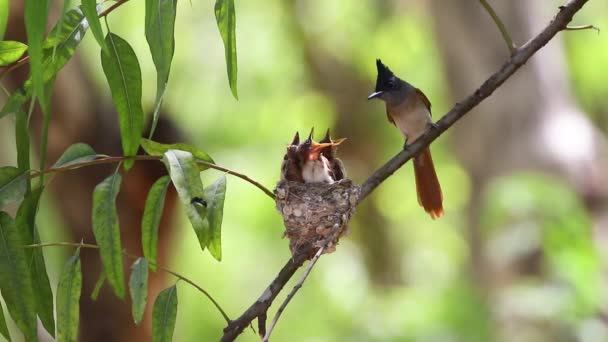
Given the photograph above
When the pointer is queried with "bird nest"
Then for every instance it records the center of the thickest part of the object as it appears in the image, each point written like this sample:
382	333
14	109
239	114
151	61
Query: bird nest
313	211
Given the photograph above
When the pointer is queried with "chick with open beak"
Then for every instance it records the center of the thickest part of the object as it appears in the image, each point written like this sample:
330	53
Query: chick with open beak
315	166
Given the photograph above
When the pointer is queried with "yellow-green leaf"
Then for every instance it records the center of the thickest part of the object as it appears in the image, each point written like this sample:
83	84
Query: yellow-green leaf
138	288
150	221
3	17
122	71
11	51
68	297
164	314
107	232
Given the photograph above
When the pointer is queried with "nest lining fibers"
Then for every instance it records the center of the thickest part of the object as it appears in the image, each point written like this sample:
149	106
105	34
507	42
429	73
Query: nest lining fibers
311	211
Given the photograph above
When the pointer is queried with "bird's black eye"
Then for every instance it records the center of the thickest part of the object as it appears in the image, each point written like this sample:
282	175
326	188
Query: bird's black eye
390	84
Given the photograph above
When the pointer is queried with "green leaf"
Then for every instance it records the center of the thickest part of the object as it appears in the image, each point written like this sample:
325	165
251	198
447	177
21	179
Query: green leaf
15	278
36	12
12	185
150	221
68	297
89	7
76	153
61	43
154	148
3	16
215	195
25	220
98	286
3	328
160	25
226	22
15	102
11	51
164	314
138	287
22	141
107	232
124	77
187	181
59	47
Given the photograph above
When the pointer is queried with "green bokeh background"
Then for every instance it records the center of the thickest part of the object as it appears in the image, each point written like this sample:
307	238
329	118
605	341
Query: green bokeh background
435	298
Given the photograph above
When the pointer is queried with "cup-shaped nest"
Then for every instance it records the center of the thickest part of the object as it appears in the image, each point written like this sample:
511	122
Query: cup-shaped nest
314	210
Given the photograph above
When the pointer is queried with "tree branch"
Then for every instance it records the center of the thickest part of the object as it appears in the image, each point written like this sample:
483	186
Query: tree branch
518	58
120	159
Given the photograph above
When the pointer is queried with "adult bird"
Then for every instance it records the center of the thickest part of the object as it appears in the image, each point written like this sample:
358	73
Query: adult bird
410	110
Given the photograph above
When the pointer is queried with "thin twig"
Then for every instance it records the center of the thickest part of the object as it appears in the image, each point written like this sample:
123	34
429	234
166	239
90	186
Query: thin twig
293	292
519	57
583	27
501	26
135	257
113	7
112	160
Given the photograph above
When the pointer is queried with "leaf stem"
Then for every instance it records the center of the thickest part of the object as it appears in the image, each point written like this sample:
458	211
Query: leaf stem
501	26
135	257
583	27
112	160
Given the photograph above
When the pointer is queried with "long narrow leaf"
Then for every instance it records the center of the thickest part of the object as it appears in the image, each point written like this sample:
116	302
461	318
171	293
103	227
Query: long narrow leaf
138	288
122	71
36	12
11	51
215	195
164	314
15	278
160	26
186	179
3	328
107	232
226	22
68	297
150	221
3	17
89	7
22	141
25	220
12	185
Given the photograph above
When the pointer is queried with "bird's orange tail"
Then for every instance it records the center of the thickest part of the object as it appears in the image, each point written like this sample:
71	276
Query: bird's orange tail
427	185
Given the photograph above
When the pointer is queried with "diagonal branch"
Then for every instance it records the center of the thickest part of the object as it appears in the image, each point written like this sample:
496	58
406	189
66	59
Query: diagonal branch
518	58
501	26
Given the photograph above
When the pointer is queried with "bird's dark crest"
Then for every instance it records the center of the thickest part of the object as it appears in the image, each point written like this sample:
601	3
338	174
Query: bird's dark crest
309	139
327	138
384	74
296	139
